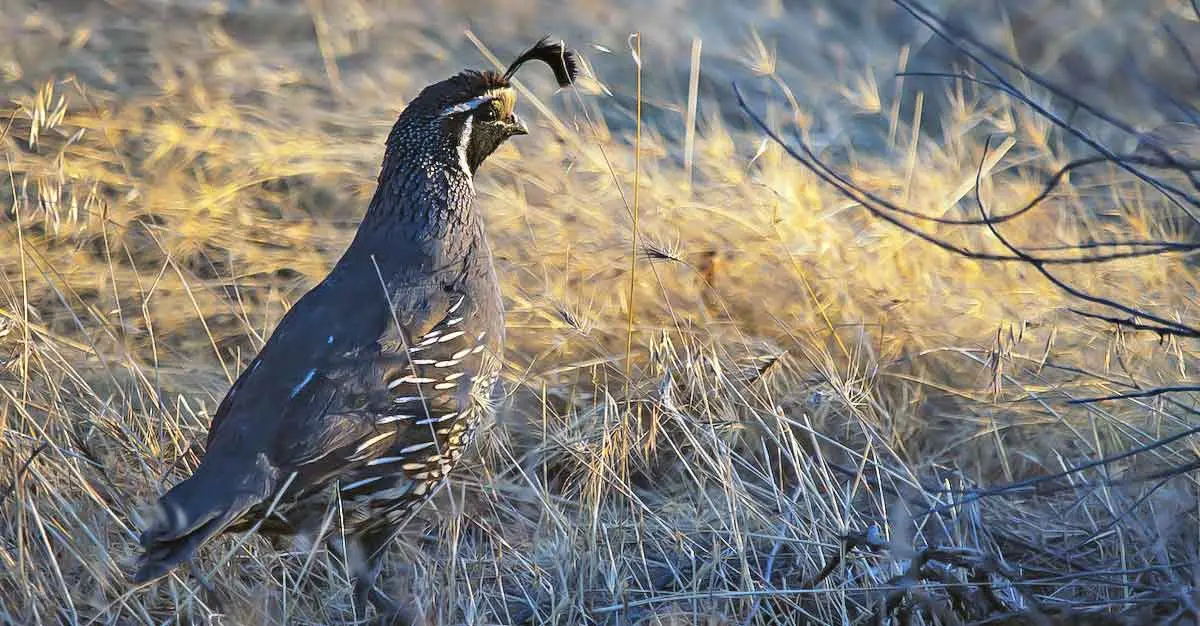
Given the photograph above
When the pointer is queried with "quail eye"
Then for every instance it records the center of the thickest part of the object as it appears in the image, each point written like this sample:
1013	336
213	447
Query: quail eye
489	113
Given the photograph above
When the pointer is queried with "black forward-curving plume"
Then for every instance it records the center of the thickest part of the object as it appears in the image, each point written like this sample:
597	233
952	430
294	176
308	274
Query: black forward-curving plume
561	61
371	387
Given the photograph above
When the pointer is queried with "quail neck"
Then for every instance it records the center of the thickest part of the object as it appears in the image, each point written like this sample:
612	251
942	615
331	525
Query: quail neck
426	188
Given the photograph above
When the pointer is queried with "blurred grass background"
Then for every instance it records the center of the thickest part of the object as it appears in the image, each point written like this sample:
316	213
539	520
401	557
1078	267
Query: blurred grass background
178	173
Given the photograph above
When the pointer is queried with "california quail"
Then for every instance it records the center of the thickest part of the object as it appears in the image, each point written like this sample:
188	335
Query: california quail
376	378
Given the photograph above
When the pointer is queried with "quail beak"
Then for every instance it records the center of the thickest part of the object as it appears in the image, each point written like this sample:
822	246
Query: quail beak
516	126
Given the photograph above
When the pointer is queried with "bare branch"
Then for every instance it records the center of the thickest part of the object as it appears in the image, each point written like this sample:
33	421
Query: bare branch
1145	393
956	36
1033	485
883	209
1167	325
1132	324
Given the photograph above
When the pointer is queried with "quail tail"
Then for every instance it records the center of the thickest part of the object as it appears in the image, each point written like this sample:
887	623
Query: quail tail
198	509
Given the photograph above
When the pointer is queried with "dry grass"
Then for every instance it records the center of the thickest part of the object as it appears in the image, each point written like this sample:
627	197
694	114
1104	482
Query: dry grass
804	379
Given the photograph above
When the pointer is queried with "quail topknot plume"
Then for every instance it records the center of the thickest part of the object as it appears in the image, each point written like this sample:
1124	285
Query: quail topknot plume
376	379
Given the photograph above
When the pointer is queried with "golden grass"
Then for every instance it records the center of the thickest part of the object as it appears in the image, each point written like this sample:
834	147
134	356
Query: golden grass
163	209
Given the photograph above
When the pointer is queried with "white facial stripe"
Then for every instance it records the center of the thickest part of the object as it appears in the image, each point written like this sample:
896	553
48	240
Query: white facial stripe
469	105
463	142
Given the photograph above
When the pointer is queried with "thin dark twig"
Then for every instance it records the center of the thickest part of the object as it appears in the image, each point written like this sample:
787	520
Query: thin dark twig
1039	265
1164	187
1170	472
1131	323
957	76
1067	368
1031	485
943	30
1164	161
880	207
1183	49
1184	108
1099	532
1161	246
1144	393
21	472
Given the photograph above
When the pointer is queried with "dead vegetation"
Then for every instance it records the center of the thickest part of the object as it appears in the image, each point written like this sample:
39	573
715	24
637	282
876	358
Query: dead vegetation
822	418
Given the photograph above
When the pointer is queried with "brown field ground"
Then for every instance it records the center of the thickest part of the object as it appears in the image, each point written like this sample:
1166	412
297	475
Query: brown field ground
806	385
